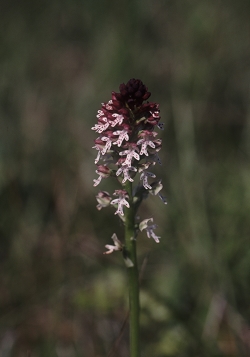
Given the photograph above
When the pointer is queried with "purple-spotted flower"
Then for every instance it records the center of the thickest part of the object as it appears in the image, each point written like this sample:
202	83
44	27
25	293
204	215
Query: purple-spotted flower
120	201
127	145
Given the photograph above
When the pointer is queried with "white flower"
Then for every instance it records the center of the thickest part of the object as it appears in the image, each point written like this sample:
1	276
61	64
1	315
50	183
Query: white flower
103	171
144	144
146	141
123	135
102	125
107	145
125	170
149	229
103	198
98	156
108	106
98	180
116	247
120	201
131	153
119	119
144	177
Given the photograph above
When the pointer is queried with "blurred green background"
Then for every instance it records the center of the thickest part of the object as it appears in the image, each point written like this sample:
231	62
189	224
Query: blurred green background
59	295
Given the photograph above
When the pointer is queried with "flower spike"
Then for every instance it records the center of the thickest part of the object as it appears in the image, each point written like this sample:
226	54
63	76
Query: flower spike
127	145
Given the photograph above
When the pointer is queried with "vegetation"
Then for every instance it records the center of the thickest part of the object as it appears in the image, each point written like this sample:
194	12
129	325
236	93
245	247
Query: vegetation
59	295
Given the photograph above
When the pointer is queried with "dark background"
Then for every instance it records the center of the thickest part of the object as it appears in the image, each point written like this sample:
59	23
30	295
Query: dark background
59	295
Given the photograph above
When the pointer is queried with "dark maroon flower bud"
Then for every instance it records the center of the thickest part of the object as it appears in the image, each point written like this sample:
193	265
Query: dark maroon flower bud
123	90
117	104
133	93
153	121
146	96
117	96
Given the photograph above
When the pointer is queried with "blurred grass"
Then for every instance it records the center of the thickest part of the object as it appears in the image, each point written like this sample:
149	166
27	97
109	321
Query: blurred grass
59	296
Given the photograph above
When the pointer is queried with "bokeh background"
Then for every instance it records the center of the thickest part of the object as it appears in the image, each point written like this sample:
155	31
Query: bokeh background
59	295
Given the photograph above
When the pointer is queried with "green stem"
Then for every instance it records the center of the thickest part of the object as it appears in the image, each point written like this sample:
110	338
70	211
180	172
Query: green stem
130	257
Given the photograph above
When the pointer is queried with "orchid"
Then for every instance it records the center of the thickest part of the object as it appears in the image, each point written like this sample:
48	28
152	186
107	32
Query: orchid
126	128
126	146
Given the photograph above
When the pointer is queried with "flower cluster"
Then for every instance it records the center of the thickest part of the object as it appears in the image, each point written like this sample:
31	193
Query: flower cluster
127	142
